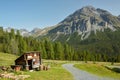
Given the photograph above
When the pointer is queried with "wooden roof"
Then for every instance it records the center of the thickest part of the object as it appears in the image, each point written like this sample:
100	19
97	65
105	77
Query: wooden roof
22	56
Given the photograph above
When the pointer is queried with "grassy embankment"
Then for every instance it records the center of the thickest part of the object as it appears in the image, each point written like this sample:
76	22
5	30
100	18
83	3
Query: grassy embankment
99	69
56	71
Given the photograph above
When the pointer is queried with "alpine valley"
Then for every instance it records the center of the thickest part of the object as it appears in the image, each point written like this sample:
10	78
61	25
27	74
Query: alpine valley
90	29
87	29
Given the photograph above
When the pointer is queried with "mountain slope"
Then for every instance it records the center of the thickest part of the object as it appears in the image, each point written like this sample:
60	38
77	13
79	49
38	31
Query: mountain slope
85	20
35	32
89	29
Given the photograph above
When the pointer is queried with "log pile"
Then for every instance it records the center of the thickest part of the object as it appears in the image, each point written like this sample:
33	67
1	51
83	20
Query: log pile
13	76
4	68
43	67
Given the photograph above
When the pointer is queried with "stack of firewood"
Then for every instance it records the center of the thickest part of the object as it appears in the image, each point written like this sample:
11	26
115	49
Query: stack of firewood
13	76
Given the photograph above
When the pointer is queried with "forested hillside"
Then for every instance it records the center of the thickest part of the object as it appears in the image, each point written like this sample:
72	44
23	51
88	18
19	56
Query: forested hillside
16	44
93	48
93	32
105	45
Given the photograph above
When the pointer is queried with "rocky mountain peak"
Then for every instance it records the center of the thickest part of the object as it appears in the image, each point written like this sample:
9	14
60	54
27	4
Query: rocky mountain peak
35	30
101	11
87	9
119	16
86	20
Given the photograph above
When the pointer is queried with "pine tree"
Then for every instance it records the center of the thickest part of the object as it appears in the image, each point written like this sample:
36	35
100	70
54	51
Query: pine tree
12	34
13	46
22	46
85	56
118	58
49	49
59	51
66	51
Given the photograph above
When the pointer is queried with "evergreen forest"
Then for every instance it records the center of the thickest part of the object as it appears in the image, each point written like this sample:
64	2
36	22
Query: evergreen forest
13	43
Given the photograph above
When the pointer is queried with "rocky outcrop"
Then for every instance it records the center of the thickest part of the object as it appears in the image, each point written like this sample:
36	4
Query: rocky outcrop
85	20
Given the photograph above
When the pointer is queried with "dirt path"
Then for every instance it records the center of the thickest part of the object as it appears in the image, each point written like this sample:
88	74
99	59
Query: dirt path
82	75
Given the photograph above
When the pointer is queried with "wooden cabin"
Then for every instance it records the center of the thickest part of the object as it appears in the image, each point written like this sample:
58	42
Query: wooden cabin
29	61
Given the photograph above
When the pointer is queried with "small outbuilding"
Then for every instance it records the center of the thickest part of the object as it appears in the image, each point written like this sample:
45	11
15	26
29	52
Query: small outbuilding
28	61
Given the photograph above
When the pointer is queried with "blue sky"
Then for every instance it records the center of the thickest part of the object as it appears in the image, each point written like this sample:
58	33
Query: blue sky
30	14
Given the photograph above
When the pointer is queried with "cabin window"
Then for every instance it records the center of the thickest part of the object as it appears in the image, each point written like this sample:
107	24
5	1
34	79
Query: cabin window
35	55
33	59
29	57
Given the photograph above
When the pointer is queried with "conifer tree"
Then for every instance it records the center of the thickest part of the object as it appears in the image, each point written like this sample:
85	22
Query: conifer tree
59	54
66	51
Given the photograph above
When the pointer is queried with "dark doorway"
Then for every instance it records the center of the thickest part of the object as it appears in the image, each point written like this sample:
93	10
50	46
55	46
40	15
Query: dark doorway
30	64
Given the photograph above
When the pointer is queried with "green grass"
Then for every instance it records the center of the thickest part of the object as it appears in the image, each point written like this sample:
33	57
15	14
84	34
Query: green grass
98	69
56	72
7	59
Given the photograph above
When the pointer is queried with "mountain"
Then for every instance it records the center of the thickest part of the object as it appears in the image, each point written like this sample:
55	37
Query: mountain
40	32
23	32
89	29
35	32
84	21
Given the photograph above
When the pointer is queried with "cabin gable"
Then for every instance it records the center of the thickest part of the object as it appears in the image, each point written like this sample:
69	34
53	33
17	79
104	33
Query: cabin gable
29	60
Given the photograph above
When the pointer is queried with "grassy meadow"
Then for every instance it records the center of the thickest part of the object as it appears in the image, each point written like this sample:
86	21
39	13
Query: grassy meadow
99	69
57	72
7	59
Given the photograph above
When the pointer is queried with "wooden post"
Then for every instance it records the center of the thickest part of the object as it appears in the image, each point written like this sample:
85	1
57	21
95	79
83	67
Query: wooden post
26	62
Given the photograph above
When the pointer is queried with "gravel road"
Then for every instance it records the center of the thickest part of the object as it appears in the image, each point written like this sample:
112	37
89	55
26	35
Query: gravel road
82	75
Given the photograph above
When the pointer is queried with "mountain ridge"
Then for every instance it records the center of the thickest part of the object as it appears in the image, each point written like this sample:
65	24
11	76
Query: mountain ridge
35	32
87	30
85	20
